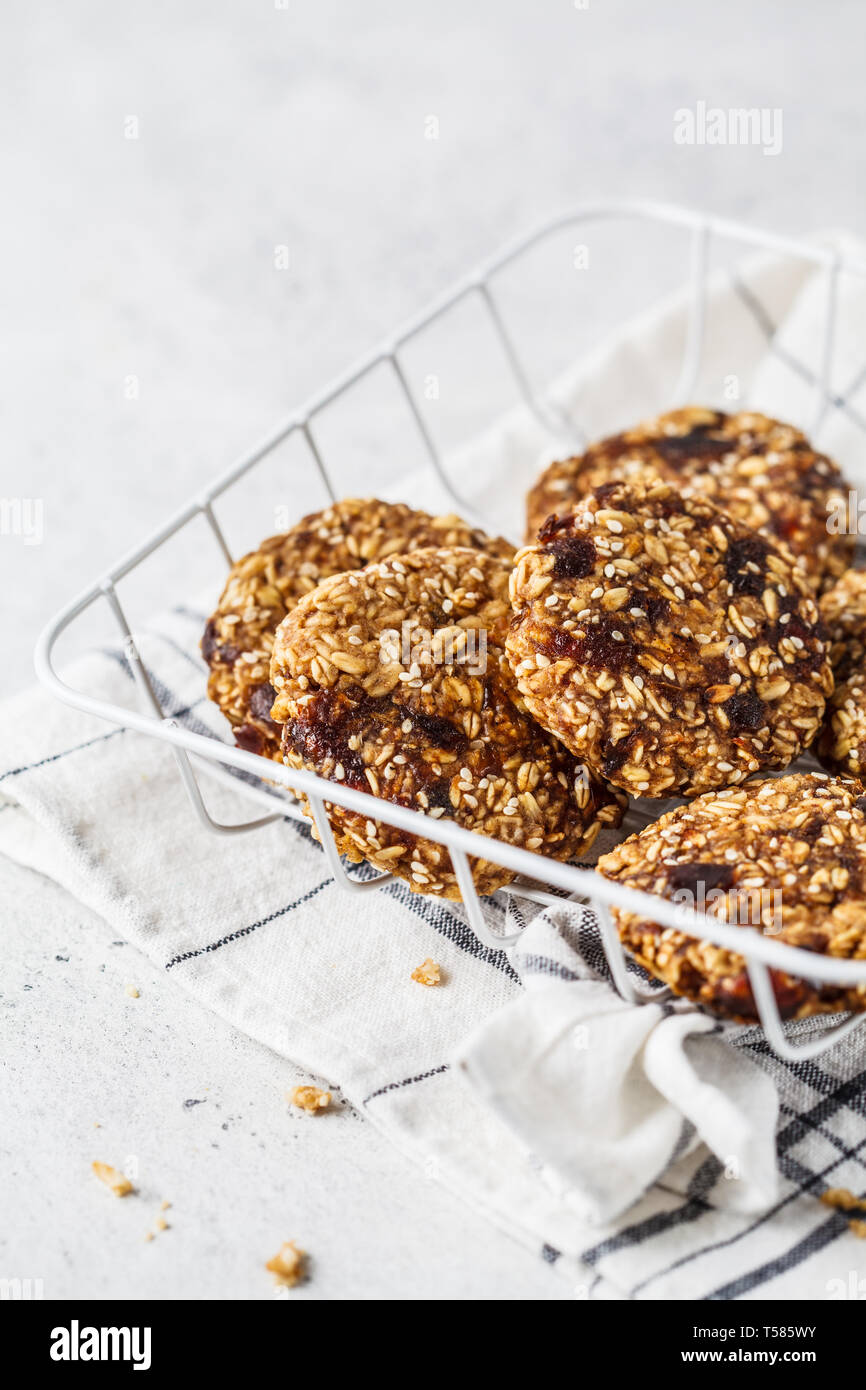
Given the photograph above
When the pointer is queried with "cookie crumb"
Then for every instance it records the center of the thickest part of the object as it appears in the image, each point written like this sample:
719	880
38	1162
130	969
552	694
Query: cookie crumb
843	1199
133	992
309	1098
120	1186
429	973
287	1266
149	1235
161	1224
164	1205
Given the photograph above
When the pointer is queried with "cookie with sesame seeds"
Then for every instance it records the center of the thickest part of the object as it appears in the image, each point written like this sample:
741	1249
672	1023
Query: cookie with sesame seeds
843	609
393	680
670	647
266	584
762	471
785	856
842	745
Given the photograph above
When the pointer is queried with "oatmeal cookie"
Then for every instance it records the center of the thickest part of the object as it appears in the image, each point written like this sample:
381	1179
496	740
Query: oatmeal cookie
786	856
393	680
763	472
670	647
842	745
266	584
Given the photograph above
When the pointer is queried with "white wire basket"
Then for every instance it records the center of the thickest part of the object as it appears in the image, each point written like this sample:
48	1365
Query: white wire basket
542	880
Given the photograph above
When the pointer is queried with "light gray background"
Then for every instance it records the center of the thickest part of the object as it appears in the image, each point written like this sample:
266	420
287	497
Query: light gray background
153	258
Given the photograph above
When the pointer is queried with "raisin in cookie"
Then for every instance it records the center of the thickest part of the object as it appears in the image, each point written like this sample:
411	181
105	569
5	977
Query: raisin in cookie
786	856
763	472
393	680
670	647
842	745
266	584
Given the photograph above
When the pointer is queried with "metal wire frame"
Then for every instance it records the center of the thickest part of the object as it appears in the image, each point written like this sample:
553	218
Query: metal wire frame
536	874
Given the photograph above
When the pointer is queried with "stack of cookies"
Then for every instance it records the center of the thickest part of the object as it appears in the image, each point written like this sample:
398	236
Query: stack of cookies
661	634
367	645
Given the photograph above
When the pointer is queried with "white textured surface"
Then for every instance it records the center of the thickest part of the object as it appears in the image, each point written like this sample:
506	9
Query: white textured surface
201	1110
154	258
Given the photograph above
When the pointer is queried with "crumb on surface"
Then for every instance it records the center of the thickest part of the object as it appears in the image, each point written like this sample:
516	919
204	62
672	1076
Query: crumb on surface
161	1224
149	1235
164	1204
309	1098
288	1265
120	1185
428	973
133	992
843	1199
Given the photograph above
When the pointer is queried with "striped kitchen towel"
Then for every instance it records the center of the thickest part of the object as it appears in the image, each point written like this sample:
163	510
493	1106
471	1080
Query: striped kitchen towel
256	927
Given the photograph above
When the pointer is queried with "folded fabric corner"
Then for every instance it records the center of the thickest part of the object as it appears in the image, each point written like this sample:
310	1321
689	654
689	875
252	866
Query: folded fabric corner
607	1095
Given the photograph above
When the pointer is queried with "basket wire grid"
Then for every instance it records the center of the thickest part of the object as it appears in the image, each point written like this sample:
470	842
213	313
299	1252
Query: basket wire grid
537	875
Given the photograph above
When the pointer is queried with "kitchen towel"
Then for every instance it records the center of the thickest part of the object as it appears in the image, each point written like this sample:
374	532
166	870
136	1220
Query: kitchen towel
255	926
607	1095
